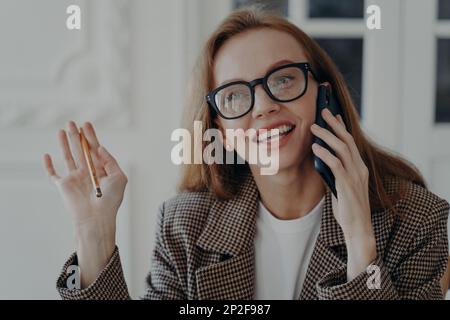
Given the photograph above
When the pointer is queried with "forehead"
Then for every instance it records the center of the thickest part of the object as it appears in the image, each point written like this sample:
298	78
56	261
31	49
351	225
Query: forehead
249	55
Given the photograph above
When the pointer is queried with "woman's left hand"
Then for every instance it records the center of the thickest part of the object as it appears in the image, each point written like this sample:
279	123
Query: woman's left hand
352	208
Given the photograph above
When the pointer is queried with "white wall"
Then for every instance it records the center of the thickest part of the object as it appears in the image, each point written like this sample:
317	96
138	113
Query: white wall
124	71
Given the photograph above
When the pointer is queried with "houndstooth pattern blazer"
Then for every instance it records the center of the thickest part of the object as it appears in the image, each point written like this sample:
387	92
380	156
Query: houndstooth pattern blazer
204	250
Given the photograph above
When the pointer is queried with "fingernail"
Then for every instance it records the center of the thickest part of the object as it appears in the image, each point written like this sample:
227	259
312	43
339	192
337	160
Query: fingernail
72	126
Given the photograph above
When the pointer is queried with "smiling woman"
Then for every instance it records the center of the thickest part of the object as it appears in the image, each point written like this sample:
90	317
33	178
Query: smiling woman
233	233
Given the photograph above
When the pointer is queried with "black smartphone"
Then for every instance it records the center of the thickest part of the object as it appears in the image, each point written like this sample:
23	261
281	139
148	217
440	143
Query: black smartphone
325	99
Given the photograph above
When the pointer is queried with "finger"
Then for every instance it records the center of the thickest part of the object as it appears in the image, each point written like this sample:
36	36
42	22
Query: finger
335	124
67	154
109	162
353	146
343	134
339	117
48	163
330	160
335	143
75	144
94	145
91	135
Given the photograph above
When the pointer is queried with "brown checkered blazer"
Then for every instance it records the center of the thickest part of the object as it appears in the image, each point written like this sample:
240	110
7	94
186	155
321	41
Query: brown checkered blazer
204	250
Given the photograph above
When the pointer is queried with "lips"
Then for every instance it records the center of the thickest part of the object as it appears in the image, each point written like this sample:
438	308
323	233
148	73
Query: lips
273	131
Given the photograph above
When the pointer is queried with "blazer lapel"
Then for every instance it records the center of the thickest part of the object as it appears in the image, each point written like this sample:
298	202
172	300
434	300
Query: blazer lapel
230	231
329	251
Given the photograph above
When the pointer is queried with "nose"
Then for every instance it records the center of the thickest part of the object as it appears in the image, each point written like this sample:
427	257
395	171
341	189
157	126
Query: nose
264	105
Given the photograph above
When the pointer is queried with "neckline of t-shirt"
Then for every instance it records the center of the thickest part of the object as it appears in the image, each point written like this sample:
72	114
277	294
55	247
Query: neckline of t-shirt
292	225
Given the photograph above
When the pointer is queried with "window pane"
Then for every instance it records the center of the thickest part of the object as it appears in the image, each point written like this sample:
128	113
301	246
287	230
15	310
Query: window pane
443	82
444	9
347	54
336	9
280	6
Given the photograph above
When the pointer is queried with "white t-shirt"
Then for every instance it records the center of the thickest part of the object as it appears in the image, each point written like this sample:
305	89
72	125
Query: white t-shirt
283	249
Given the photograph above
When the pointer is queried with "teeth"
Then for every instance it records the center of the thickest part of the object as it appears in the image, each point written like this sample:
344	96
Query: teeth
277	131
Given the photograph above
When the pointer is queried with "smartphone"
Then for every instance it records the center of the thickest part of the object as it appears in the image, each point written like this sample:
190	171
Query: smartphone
325	99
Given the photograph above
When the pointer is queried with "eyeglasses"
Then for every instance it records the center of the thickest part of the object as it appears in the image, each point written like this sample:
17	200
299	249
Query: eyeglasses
283	84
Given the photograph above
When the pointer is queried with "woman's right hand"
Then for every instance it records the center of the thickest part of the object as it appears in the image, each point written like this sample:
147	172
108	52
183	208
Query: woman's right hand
94	219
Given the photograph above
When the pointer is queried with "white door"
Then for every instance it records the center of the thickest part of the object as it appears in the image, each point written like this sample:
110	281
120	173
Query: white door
426	93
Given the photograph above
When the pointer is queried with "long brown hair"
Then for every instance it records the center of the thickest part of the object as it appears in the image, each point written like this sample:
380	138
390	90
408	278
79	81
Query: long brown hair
223	179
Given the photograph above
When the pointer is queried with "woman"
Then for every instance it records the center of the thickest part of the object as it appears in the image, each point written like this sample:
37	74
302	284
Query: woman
233	233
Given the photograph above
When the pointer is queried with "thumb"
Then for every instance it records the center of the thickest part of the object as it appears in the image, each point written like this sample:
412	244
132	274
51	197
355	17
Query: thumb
108	161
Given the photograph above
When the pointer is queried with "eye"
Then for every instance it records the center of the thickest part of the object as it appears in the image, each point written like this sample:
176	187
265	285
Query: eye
284	81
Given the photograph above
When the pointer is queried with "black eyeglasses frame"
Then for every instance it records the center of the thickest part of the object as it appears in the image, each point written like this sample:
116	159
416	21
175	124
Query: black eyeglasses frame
304	66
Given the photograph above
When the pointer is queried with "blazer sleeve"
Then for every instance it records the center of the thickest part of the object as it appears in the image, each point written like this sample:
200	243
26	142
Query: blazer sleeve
162	281
417	276
109	285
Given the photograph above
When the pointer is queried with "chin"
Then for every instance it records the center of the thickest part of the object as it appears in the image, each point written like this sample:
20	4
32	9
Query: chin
289	158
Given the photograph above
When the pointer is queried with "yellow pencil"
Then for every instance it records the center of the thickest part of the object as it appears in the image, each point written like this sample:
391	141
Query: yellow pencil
90	163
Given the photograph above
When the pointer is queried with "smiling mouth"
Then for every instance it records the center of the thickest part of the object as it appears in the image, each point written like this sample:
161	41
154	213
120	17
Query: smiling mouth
281	131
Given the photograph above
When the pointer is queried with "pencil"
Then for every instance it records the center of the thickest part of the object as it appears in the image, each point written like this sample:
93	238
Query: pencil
91	167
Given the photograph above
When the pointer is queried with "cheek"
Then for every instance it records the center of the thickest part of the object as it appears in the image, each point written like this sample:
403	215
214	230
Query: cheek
238	129
307	107
236	124
305	110
234	127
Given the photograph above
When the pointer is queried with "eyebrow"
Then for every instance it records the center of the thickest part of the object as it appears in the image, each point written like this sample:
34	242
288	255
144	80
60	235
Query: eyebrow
270	67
